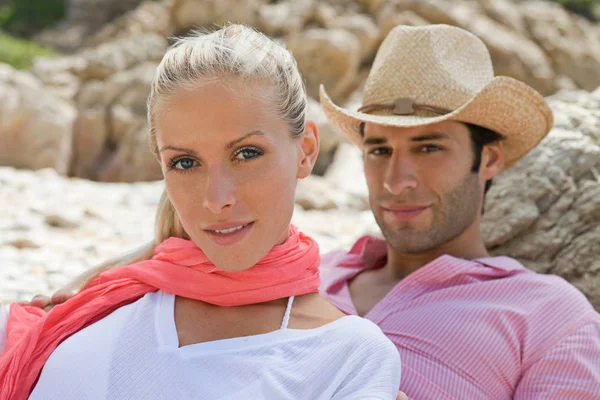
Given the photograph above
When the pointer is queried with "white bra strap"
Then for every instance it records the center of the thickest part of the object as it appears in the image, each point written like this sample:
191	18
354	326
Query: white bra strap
288	311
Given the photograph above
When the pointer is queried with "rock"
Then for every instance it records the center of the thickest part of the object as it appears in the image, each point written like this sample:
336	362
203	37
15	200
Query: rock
130	88
23	244
567	39
346	174
90	138
365	30
505	12
434	11
84	17
132	160
122	54
512	54
328	137
113	115
545	211
327	56
324	13
149	17
60	74
188	14
347	7
286	17
35	125
61	221
387	20
313	193
372	5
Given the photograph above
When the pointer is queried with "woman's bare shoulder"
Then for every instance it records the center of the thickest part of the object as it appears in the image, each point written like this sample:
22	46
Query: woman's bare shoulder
312	311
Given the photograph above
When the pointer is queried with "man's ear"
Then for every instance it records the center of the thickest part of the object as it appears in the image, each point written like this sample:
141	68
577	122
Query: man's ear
492	160
309	150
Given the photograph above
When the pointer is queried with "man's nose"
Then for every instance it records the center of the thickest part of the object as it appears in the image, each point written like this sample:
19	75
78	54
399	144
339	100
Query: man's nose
400	176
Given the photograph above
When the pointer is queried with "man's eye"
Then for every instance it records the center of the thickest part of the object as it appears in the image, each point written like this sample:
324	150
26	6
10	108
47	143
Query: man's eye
430	148
380	151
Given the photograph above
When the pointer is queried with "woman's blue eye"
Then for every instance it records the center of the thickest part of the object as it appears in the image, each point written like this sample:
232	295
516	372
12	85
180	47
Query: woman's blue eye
247	153
183	163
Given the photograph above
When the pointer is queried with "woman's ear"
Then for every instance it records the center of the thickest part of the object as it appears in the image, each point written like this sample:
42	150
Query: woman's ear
492	160
309	150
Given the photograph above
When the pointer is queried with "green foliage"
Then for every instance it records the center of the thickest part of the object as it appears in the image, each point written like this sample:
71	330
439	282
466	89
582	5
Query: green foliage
581	7
19	52
27	17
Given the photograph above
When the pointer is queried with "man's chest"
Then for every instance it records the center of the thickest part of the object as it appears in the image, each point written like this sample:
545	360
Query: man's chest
455	346
367	290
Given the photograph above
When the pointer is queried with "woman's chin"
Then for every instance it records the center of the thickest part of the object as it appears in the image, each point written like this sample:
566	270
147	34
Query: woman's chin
235	264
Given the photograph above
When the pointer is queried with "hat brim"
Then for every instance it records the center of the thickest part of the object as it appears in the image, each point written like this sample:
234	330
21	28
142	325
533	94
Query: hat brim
505	105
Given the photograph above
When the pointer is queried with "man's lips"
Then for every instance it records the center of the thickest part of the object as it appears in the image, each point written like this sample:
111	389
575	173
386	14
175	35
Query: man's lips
404	212
404	207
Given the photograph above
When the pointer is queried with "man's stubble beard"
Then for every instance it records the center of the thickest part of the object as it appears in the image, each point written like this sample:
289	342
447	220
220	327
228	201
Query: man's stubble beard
459	210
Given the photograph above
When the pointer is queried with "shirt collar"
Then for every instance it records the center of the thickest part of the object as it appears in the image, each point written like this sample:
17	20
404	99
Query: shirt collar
372	251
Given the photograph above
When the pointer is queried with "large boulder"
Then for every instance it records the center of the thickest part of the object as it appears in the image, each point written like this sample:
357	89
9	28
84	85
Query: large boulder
285	17
189	14
364	28
84	18
148	17
546	210
572	43
111	134
35	125
327	56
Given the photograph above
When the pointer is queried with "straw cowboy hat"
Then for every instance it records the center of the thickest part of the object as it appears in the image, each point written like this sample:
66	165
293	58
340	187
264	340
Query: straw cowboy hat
428	74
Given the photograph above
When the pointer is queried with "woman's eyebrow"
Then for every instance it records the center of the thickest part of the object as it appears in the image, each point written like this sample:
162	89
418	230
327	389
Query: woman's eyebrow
182	149
229	145
232	144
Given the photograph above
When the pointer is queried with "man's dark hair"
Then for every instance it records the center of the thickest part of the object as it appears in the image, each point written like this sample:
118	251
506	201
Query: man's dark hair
481	136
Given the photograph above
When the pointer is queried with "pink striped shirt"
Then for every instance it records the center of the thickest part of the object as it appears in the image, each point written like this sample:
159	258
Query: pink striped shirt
483	329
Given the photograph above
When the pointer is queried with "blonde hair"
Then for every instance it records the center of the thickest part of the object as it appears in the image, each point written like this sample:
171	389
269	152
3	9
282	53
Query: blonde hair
232	51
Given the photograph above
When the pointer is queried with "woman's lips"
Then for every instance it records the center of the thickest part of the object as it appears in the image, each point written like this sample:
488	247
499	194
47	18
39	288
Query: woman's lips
228	239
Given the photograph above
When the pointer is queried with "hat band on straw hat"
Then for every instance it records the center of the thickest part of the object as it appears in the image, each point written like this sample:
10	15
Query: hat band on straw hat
403	106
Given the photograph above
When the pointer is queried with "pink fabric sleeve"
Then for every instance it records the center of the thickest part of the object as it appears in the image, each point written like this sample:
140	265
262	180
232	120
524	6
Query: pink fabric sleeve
568	370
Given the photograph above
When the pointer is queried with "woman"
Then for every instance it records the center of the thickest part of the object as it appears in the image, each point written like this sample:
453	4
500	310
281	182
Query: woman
223	303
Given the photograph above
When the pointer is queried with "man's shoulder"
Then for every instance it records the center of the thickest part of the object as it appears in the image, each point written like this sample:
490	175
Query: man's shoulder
548	300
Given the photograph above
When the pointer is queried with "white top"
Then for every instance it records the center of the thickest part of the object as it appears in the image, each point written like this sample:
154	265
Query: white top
3	318
134	353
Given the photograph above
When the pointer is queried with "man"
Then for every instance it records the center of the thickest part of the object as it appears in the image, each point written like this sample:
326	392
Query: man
435	127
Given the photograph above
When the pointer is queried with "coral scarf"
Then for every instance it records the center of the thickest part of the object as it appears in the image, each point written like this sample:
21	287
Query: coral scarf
178	267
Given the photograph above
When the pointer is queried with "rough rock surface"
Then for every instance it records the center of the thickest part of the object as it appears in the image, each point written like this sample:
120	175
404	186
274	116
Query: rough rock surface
35	126
546	210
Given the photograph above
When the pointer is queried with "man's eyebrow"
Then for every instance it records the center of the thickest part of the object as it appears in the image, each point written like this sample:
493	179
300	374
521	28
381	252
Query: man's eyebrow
374	140
428	137
232	144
